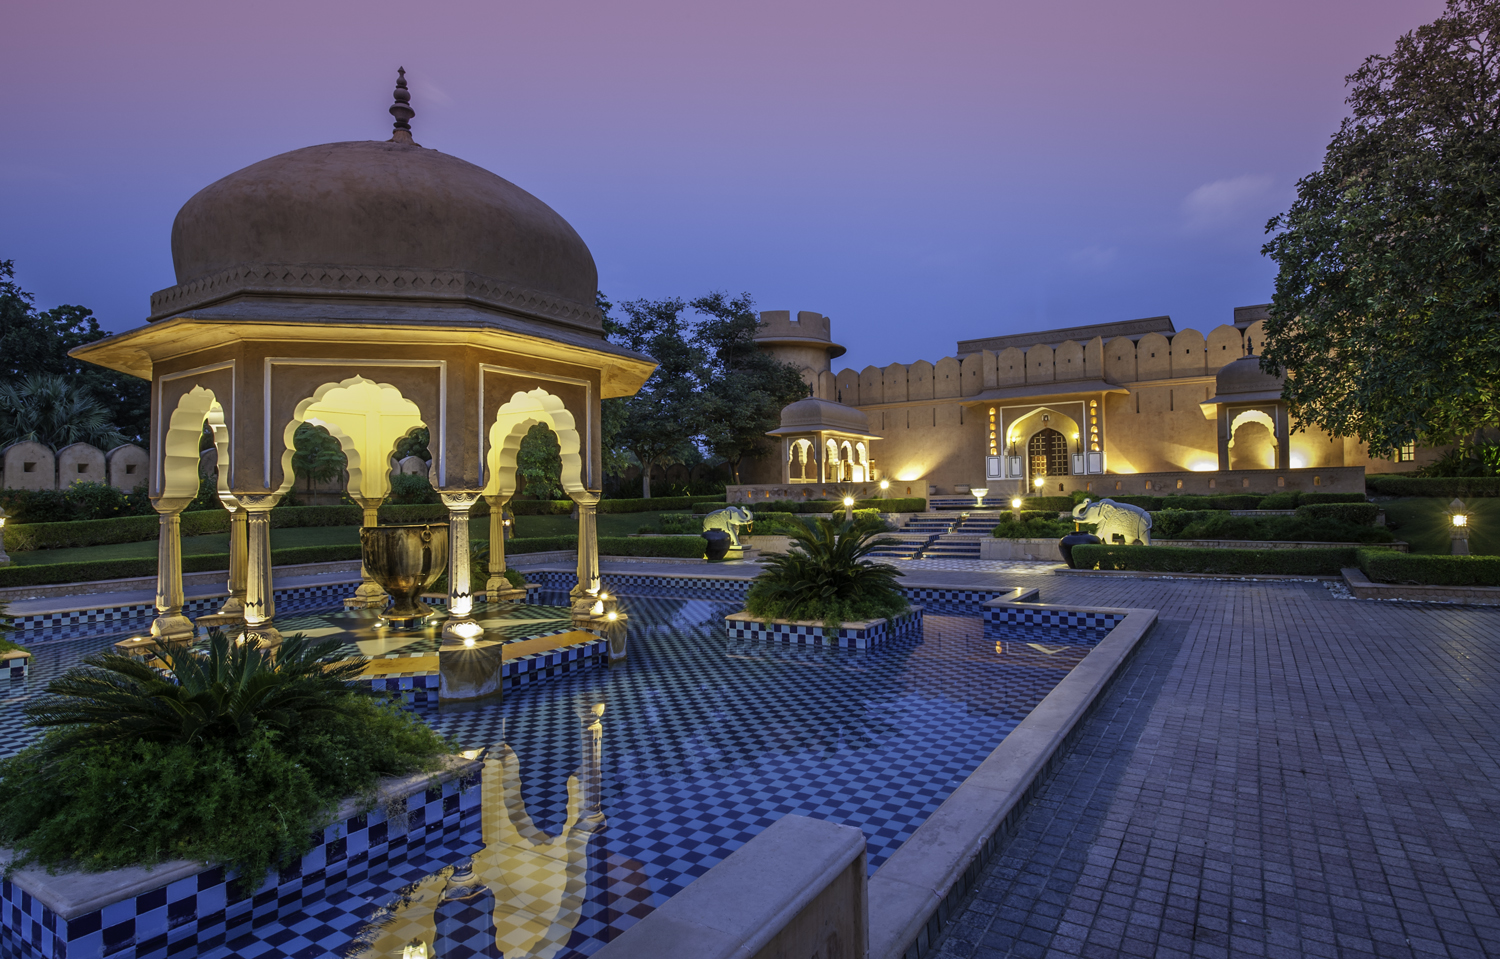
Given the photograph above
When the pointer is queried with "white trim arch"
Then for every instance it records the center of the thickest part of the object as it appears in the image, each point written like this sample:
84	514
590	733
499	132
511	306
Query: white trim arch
367	418
512	420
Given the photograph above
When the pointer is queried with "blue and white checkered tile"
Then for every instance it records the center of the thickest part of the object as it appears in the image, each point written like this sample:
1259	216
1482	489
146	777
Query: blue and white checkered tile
968	599
635	584
802	634
92	622
1077	619
200	911
705	741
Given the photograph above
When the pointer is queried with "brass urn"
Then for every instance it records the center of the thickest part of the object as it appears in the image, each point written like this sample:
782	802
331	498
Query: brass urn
406	561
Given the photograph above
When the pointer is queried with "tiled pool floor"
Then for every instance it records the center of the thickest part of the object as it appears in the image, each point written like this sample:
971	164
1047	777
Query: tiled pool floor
702	744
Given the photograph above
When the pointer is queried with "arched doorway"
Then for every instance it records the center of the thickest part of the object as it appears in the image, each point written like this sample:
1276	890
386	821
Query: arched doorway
1047	453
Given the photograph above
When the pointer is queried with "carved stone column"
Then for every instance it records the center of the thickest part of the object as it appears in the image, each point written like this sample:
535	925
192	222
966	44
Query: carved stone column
233	610
170	625
460	622
369	594
584	596
498	588
260	602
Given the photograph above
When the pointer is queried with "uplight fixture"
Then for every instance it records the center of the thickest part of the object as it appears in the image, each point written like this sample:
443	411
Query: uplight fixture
1458	533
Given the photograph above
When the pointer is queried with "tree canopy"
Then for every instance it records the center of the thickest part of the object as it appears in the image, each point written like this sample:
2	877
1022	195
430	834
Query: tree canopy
1386	314
33	342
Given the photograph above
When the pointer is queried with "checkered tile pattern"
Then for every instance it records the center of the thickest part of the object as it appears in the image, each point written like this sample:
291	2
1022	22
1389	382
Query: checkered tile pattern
801	634
641	584
705	742
16	667
1032	616
92	621
200	912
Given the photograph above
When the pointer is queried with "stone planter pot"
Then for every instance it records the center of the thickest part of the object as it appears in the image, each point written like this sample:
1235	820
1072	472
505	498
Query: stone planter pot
1066	544
405	561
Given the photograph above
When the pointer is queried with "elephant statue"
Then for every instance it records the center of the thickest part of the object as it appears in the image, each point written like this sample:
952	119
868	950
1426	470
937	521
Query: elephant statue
729	519
1130	522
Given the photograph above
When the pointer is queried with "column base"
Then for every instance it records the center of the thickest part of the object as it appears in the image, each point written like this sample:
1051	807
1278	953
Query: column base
368	595
173	629
221	619
266	635
460	628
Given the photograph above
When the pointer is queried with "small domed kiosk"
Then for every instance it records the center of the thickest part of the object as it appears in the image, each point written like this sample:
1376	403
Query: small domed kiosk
1246	396
373	289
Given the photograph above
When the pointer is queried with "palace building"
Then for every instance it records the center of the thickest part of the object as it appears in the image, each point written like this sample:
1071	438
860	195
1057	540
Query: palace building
1128	407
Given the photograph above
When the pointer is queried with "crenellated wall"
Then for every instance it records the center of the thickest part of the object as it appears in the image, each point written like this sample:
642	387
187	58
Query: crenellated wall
34	466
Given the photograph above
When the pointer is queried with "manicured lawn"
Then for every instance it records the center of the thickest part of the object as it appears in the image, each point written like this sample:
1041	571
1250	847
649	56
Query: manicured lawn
610	524
1423	522
191	546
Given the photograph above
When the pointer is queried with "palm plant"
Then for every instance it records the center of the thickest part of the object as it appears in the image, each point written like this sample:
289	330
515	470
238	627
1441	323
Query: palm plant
225	693
826	575
51	409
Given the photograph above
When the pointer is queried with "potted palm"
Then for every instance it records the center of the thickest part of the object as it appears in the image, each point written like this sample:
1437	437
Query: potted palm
825	588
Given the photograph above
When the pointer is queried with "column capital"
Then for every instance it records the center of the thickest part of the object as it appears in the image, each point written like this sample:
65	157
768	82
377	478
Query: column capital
258	502
585	497
461	500
166	505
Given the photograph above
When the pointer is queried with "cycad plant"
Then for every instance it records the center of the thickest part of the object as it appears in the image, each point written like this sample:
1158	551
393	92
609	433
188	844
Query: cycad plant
54	410
224	693
826	577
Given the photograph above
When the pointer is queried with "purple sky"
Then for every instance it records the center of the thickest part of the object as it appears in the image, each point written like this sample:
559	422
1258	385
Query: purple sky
921	172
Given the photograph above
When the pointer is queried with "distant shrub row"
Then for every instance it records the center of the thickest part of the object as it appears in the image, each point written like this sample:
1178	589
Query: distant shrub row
1448	487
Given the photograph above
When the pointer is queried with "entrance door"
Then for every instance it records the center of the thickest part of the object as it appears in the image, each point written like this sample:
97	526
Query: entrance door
1047	453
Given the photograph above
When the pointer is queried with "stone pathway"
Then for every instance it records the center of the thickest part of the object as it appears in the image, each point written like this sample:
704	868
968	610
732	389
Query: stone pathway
1277	773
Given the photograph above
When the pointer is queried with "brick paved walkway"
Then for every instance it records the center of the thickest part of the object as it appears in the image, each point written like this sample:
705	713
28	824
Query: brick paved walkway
1277	773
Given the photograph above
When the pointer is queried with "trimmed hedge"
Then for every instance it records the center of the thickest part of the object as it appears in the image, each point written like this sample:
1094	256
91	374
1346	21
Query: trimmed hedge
540	507
87	571
1322	561
1219	524
1427	569
689	547
1057	504
1358	514
1308	498
1222	501
540	544
1448	487
703	509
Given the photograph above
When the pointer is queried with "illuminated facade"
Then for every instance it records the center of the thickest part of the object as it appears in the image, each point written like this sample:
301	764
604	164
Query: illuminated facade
1135	406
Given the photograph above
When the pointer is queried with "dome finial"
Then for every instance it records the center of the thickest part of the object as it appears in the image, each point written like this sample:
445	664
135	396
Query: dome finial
402	110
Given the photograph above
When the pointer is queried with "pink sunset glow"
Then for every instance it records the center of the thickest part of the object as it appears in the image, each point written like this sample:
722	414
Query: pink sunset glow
921	173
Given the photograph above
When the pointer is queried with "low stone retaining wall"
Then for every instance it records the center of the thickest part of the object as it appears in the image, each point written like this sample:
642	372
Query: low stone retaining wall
1364	588
797	889
186	907
1020	549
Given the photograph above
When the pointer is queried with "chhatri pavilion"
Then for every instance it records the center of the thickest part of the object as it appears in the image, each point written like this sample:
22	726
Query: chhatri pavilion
372	288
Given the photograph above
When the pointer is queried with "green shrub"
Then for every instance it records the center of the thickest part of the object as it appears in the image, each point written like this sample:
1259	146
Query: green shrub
1057	504
773	524
1148	503
1225	502
1219	524
411	489
681	547
79	501
826	577
302	517
685	523
234	757
22	538
1327	498
1035	524
43	574
704	508
901	504
1355	514
540	544
540	507
1317	561
1396	484
1287	500
655	504
400	515
1388	566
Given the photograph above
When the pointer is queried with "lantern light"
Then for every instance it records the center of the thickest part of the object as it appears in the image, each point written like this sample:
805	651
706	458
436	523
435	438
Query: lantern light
1015	503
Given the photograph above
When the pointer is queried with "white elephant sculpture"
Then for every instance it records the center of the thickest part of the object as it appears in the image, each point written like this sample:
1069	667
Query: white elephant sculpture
1130	522
729	519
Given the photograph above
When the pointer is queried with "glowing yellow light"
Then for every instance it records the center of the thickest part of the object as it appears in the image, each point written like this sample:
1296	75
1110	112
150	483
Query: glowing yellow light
604	596
468	631
598	709
612	616
1015	503
999	649
416	949
1203	466
885	484
1298	461
1459	519
469	641
848	501
1039	482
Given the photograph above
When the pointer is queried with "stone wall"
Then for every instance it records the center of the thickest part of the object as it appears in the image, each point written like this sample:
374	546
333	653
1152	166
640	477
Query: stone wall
34	466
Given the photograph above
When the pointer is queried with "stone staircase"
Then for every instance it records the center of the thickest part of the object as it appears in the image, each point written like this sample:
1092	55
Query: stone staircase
963	539
916	534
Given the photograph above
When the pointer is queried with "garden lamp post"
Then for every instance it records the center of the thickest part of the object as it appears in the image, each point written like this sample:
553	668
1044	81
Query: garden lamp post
885	488
4	560
1038	483
1458	516
848	508
1015	508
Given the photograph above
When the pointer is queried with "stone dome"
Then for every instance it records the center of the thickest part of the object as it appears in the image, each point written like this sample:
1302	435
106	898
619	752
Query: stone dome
381	219
814	414
1244	375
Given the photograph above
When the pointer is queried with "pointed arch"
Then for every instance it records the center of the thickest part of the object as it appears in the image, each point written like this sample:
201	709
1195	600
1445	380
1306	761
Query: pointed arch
367	419
512	420
184	433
